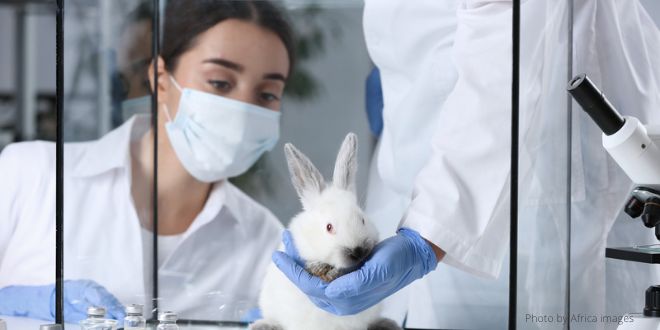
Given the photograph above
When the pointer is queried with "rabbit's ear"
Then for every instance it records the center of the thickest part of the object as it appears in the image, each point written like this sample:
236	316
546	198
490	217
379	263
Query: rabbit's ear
304	175
346	164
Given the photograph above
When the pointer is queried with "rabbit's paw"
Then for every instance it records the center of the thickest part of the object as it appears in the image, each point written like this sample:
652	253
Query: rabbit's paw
384	324
332	274
265	325
325	271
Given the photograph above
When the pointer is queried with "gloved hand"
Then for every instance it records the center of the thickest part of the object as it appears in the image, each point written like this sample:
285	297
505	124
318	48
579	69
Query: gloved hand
252	315
38	302
393	264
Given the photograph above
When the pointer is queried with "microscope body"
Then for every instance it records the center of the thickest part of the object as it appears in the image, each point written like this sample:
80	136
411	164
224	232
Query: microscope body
640	323
633	146
636	149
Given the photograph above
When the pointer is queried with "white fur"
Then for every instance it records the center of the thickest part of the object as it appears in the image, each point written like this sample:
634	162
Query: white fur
282	304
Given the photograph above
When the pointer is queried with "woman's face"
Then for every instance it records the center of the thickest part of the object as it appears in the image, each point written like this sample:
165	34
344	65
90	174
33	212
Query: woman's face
235	59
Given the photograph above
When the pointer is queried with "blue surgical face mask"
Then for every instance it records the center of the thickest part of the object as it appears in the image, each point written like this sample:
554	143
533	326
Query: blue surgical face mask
215	137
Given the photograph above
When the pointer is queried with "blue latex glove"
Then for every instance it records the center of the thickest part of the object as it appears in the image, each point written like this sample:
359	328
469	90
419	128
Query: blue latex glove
38	302
374	102
393	264
252	315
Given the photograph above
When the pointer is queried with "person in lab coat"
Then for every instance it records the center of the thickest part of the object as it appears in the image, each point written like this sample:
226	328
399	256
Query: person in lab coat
221	73
442	165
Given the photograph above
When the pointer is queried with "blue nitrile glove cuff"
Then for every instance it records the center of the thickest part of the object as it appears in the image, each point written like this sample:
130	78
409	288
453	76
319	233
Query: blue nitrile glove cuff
35	302
429	260
252	315
38	302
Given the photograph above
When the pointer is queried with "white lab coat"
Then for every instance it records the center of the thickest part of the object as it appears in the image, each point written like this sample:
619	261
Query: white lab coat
445	69
214	273
442	165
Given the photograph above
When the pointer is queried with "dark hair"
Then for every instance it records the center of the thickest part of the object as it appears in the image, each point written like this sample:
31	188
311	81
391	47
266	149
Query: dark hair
186	19
144	11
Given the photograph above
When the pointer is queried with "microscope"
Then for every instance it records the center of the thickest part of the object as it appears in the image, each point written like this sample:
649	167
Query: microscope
636	149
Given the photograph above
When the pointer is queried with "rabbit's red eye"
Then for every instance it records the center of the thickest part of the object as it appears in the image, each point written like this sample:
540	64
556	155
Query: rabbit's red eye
328	227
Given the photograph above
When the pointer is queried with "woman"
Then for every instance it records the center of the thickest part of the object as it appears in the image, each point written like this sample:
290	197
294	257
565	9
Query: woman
221	74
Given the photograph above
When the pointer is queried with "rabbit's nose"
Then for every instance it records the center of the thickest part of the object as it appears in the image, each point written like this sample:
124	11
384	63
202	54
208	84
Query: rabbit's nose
357	253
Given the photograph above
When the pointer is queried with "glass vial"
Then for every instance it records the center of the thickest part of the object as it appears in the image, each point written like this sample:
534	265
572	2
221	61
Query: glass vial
96	320
47	327
134	319
167	321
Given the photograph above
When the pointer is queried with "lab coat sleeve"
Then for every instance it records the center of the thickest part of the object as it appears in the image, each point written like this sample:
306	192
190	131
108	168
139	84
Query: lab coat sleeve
460	198
9	195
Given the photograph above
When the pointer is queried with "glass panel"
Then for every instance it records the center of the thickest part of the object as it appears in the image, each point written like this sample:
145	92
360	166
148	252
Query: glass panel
216	250
215	235
27	158
544	175
107	197
214	242
586	289
466	72
628	79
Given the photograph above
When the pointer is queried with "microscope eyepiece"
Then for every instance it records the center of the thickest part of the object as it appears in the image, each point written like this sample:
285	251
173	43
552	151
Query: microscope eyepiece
595	104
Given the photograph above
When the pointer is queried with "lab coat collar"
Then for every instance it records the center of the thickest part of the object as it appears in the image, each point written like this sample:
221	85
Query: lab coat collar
224	198
112	150
212	208
221	205
236	201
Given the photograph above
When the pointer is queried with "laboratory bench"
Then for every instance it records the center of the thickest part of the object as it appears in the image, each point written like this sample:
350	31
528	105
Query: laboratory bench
22	323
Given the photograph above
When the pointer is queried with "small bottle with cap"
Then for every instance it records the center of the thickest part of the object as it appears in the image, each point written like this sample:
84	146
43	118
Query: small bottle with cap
134	319
48	327
96	320
167	321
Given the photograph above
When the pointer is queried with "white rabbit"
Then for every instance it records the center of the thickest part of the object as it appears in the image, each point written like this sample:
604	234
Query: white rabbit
333	236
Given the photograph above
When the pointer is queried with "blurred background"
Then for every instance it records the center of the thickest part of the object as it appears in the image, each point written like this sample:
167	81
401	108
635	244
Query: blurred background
27	67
